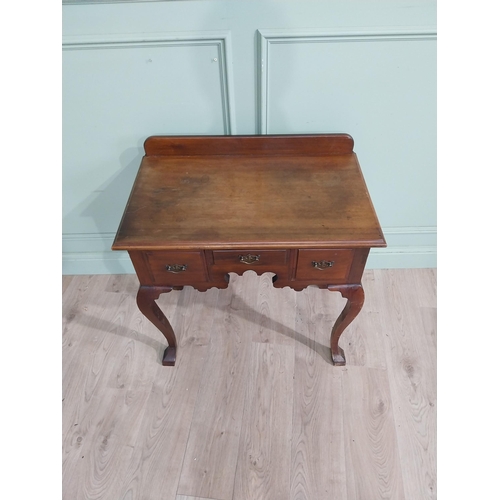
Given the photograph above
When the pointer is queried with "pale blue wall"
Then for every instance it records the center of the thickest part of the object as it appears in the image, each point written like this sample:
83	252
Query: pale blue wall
134	69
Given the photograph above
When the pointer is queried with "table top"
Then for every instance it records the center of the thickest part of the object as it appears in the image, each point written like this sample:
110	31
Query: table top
214	192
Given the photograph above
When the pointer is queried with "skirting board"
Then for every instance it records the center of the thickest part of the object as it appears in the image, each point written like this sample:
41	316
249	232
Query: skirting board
407	248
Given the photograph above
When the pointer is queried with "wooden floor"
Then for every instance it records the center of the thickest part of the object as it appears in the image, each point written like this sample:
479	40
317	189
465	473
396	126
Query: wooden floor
254	408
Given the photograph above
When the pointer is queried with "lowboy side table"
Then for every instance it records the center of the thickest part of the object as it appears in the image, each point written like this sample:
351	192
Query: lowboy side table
204	207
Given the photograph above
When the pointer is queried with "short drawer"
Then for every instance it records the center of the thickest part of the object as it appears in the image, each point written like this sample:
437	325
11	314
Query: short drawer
176	268
239	261
324	265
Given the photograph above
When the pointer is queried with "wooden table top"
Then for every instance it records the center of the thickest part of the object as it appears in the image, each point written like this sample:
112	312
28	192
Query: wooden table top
249	192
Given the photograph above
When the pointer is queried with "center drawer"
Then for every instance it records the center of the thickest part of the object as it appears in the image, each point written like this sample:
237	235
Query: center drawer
250	257
239	261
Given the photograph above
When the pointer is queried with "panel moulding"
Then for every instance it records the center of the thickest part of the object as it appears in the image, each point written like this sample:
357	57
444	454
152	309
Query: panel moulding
220	39
267	38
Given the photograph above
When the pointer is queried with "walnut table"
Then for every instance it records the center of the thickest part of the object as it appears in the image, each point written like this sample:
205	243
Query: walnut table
204	207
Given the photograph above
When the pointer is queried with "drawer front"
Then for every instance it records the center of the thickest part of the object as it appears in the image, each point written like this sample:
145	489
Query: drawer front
250	258
239	261
324	265
176	268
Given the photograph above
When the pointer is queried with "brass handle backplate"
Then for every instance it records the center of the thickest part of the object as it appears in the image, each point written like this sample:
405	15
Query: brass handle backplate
249	259
323	264
176	268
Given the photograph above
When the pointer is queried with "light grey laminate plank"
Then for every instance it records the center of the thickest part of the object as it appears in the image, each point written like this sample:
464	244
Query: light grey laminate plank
105	390
372	456
318	459
263	467
410	344
212	450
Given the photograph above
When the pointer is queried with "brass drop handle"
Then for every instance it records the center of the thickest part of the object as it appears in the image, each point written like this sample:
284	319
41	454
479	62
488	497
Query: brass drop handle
323	264
176	268
249	258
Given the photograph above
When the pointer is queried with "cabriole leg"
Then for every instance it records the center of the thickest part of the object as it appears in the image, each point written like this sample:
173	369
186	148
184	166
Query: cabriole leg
355	296
146	297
